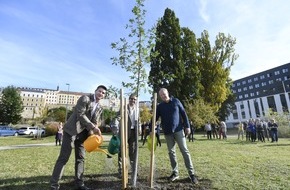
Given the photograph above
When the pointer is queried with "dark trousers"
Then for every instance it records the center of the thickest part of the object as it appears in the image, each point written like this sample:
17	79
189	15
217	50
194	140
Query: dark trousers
274	135
132	143
208	133
65	152
261	136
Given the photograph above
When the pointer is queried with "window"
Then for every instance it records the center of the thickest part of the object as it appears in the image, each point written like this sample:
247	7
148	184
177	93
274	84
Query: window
246	95
262	77
249	80
263	83
257	85
244	82
245	88
277	72
251	87
269	75
238	84
256	79
271	81
285	70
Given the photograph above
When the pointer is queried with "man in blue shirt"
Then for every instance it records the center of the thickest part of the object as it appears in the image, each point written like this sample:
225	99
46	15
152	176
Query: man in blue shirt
173	120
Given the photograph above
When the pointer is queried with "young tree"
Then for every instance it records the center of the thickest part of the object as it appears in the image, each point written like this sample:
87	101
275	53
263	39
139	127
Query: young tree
133	57
10	106
134	53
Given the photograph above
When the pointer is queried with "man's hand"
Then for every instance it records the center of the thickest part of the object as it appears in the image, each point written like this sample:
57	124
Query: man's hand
97	131
187	131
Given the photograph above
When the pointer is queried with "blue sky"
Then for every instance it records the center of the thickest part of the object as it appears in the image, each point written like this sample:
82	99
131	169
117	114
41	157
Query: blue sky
46	43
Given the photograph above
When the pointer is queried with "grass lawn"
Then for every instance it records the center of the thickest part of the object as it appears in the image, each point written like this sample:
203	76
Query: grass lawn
219	164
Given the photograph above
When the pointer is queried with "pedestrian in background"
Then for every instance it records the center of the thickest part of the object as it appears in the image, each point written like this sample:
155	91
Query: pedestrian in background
58	135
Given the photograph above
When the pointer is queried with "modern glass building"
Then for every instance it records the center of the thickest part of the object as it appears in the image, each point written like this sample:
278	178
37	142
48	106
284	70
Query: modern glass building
258	93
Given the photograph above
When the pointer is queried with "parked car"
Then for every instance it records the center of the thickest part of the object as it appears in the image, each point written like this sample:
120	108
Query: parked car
8	131
31	131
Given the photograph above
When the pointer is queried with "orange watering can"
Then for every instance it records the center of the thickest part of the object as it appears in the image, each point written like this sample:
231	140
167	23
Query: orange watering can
93	142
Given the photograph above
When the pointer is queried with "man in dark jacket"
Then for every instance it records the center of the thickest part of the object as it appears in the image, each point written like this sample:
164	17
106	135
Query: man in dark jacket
173	119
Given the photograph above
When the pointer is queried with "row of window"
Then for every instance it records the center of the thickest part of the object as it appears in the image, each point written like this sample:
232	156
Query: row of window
35	105
285	70
32	95
258	85
30	108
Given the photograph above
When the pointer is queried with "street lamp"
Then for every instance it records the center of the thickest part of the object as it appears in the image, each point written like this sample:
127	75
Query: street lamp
66	101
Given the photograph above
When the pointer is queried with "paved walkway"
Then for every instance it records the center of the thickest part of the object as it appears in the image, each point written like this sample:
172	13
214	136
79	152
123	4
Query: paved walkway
106	138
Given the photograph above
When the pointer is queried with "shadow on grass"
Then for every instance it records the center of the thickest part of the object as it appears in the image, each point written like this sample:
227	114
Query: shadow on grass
276	144
103	182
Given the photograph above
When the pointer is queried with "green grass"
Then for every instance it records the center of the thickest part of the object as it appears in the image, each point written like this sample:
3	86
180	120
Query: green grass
219	164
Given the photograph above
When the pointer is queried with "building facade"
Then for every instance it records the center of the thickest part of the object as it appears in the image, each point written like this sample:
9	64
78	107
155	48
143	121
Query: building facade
258	93
37	100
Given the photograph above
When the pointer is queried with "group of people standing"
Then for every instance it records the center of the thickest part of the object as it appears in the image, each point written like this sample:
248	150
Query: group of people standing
258	130
84	121
216	131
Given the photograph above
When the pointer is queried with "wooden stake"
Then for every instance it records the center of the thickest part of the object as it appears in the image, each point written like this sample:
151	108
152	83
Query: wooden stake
136	155
123	142
126	138
153	140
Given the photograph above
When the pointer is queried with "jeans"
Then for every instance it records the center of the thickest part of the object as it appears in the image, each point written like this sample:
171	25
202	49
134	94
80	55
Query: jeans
179	138
274	134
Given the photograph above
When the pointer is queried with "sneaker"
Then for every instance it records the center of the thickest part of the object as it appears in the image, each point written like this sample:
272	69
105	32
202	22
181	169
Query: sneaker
173	177
193	179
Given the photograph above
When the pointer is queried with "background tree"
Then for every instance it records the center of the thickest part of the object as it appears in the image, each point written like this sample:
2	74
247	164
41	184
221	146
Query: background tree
167	69
200	112
214	65
191	81
11	106
190	68
56	114
145	114
134	53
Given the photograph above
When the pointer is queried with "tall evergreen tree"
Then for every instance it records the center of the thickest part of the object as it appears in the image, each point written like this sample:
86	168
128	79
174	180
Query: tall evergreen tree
190	68
191	81
167	69
10	106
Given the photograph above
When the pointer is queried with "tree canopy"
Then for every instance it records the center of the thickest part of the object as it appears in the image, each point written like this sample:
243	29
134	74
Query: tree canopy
191	68
11	106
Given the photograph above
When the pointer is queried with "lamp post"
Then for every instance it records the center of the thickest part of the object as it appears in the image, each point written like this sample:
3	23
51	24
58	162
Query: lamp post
66	101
